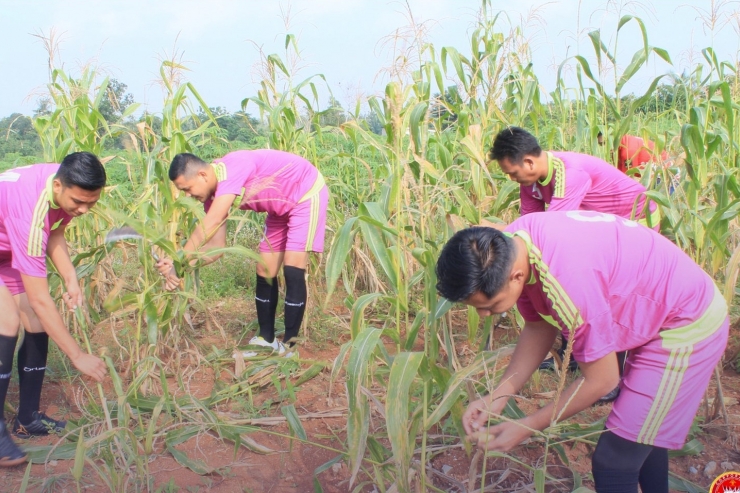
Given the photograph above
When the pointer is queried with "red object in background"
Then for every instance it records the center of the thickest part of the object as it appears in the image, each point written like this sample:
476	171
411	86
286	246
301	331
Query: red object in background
634	152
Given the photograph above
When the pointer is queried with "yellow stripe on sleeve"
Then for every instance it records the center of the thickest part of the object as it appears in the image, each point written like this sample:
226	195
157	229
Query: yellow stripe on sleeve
36	228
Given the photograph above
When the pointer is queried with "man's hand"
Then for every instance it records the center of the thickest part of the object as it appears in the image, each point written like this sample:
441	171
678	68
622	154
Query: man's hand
502	437
91	366
535	341
73	296
166	268
171	282
478	413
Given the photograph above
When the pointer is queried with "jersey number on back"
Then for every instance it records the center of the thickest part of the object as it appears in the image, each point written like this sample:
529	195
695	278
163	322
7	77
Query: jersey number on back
598	217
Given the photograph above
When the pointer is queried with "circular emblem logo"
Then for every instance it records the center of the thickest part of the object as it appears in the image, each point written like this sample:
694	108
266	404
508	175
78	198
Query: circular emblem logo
728	482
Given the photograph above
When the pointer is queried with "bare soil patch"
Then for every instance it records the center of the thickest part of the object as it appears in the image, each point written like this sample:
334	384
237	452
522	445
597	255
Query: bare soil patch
291	467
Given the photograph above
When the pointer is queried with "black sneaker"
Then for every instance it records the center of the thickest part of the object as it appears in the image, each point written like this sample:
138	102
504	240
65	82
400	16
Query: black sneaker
611	396
40	426
10	454
549	363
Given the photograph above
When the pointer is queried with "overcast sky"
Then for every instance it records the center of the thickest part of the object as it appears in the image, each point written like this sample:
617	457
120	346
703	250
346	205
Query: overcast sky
342	39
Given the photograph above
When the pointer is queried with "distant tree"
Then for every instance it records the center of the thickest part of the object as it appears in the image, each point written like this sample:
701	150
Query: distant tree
17	136
334	115
236	127
116	101
373	123
668	96
216	111
19	125
44	106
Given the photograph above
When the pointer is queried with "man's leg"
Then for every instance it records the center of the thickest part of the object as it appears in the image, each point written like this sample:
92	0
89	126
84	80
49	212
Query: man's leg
32	357
663	385
549	364
296	293
10	454
266	293
272	248
306	230
621	356
655	471
617	462
614	393
9	324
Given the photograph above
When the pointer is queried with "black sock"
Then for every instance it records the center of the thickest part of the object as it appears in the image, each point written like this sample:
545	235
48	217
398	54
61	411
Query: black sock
274	298
266	298
7	349
617	462
295	300
31	370
654	472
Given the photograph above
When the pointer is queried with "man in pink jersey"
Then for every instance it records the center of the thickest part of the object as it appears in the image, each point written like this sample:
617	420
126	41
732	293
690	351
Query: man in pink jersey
610	285
566	181
293	194
36	204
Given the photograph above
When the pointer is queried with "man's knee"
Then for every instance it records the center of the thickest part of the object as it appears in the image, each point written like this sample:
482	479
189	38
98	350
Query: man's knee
298	260
270	264
28	318
10	320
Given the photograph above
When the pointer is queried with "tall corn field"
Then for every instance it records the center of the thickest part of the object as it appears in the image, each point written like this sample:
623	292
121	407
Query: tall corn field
409	359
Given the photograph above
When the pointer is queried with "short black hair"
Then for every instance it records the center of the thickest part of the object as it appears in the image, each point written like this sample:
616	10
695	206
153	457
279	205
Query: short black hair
82	169
513	143
182	164
475	259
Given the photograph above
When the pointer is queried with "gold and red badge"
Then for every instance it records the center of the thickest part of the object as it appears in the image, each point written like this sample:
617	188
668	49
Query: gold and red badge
728	482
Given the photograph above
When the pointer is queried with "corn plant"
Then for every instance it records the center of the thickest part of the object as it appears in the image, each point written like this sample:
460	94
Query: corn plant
614	107
424	159
122	433
436	178
289	112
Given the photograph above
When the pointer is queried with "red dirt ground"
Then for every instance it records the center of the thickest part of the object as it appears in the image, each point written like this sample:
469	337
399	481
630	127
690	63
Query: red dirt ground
290	470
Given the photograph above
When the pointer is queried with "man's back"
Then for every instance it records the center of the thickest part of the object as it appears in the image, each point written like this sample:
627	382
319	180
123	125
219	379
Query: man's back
270	181
584	182
623	281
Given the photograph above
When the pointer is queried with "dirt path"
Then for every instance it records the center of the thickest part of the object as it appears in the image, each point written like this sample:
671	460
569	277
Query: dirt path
291	468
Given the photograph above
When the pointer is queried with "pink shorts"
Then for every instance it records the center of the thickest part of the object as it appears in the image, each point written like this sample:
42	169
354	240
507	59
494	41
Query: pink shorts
665	380
10	278
301	230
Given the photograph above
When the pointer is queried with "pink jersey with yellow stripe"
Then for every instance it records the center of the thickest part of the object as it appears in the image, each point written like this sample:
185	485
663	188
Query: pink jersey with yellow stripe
618	283
27	216
582	182
266	180
612	285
